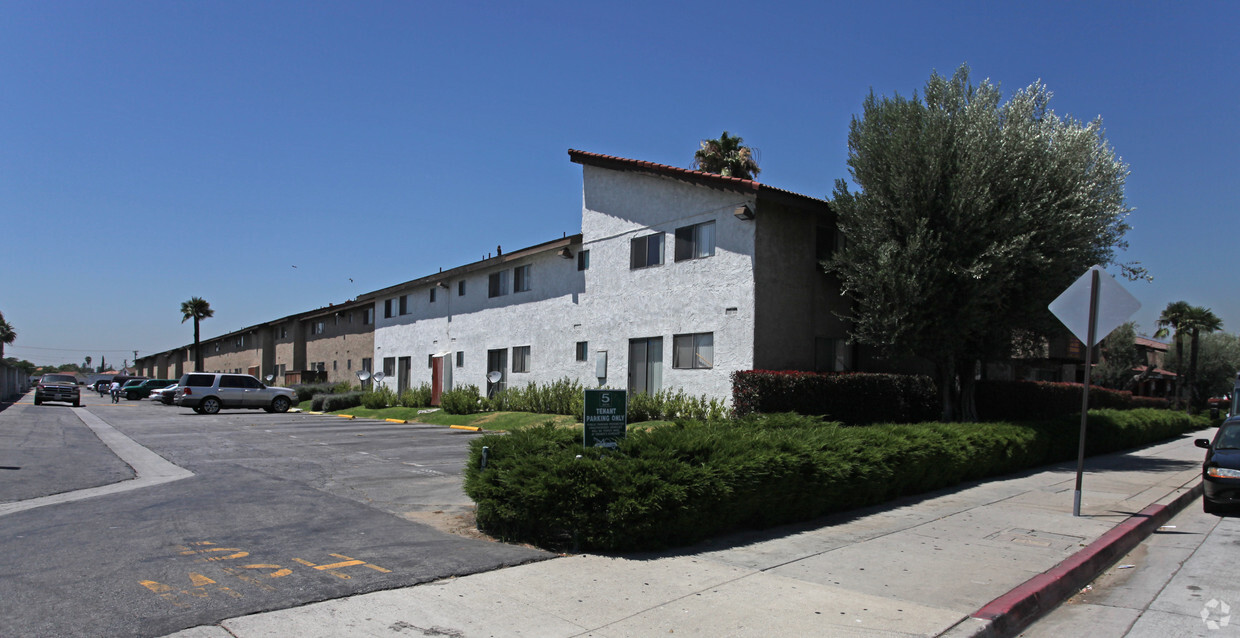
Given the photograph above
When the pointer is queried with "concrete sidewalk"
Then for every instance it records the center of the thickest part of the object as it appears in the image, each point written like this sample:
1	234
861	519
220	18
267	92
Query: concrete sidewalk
978	560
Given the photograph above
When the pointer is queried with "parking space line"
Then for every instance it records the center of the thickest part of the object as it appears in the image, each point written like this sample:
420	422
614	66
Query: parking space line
149	468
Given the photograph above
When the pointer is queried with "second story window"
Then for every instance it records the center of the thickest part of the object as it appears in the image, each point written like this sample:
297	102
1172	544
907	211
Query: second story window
583	260
432	294
387	308
497	284
521	278
646	251
696	241
368	316
460	288
404	304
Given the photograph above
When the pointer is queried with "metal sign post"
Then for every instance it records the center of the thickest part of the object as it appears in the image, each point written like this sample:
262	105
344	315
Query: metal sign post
1108	306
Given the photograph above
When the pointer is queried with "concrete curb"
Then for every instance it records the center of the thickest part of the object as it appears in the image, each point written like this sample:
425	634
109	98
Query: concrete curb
1008	614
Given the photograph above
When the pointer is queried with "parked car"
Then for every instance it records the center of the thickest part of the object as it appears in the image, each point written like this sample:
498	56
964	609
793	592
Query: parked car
58	387
209	392
1220	473
143	388
131	386
165	395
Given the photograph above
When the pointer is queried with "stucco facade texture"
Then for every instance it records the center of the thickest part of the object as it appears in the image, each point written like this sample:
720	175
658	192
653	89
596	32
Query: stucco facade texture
608	305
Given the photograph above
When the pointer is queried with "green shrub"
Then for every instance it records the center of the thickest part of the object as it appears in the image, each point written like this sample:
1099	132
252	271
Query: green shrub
854	398
379	399
306	391
1026	400
681	483
463	399
344	401
419	397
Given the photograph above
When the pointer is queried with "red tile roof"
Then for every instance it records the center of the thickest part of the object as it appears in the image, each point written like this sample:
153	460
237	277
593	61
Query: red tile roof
1150	343
703	178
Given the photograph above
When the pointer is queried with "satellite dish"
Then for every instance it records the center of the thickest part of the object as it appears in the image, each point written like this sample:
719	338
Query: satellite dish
379	377
363	375
494	376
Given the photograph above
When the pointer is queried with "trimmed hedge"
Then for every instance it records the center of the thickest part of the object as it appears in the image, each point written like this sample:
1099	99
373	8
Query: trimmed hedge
333	402
853	398
679	484
1024	400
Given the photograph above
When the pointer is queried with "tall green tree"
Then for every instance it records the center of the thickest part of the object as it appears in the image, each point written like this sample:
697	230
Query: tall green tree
197	309
87	368
1218	362
727	156
7	334
1199	321
1171	322
972	214
1119	358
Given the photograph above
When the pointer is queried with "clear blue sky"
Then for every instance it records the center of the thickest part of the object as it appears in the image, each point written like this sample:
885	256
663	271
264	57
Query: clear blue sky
154	151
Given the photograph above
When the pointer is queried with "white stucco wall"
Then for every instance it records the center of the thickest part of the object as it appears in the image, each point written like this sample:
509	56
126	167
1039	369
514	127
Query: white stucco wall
542	318
712	294
605	305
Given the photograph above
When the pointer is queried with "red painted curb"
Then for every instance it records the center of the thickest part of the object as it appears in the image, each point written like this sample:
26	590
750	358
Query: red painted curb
1015	610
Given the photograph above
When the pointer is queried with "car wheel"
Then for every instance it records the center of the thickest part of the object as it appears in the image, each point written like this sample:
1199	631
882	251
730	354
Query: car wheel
38	401
280	404
77	404
210	405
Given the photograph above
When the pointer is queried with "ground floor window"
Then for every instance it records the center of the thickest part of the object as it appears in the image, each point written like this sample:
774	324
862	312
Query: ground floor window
693	350
521	359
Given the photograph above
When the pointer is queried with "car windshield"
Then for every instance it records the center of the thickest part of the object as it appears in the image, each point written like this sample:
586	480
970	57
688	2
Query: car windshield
133	383
59	378
1228	438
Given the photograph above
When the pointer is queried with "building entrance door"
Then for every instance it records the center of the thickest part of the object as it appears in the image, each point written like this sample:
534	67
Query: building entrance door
497	361
646	365
403	367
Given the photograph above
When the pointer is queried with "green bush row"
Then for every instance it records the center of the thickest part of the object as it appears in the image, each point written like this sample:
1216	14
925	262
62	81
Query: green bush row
306	391
853	398
567	396
678	484
1024	400
336	401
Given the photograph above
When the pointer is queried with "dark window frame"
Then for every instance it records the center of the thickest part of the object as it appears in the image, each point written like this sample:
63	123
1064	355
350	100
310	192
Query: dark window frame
691	239
646	251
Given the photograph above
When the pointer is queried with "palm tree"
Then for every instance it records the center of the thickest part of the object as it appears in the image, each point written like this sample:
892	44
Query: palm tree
727	156
88	369
1171	322
197	309
7	334
1197	321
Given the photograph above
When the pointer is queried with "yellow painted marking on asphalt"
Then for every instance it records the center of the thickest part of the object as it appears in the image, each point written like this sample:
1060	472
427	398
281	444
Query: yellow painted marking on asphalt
280	572
157	587
240	553
198	589
347	562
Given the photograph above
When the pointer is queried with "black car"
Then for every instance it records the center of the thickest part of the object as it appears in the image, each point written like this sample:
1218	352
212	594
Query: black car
1220	474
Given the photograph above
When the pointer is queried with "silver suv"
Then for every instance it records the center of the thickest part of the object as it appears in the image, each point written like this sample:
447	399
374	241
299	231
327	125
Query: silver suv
209	392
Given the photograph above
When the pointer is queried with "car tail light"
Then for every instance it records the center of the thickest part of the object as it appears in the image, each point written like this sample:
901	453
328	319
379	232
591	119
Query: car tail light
187	392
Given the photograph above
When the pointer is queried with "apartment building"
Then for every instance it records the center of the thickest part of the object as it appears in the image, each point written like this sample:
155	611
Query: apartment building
678	279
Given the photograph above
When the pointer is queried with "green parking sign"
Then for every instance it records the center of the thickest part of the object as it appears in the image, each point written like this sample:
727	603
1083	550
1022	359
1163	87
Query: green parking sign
606	417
